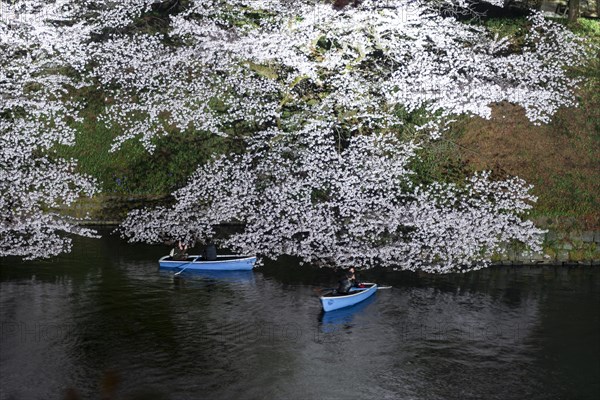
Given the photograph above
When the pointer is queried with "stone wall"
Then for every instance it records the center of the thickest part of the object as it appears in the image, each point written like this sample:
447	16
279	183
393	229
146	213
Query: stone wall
574	247
559	8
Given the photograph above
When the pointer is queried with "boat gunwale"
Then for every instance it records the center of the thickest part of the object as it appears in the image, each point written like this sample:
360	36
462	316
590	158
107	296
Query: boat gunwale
196	261
351	295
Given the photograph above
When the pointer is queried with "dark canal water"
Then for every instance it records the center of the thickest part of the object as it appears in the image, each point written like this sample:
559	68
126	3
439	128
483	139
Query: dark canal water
104	317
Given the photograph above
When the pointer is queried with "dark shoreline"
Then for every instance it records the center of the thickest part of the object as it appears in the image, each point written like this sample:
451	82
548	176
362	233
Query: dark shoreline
560	248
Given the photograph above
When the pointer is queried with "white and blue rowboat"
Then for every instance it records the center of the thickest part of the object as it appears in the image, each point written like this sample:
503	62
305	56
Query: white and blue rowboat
333	301
222	263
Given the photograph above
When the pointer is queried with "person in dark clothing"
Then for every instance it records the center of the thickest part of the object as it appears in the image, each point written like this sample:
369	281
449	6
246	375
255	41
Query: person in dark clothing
344	286
347	282
210	252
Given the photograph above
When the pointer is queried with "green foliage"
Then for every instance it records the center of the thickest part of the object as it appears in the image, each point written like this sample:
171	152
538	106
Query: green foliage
263	70
131	170
416	117
514	29
587	27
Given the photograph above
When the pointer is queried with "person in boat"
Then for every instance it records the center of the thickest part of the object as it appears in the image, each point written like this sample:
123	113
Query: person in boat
348	281
179	252
210	252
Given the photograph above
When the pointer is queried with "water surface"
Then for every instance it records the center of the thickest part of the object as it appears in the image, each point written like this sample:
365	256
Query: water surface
105	313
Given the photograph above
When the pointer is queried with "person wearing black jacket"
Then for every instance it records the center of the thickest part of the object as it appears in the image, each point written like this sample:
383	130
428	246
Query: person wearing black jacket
348	281
210	252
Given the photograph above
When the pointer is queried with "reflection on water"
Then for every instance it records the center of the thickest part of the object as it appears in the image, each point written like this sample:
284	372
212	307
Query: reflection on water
107	310
210	277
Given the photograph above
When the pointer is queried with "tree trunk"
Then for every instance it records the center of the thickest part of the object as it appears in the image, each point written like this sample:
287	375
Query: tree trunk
573	10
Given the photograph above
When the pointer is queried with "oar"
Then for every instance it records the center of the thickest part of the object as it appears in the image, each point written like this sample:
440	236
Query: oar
188	264
321	290
378	287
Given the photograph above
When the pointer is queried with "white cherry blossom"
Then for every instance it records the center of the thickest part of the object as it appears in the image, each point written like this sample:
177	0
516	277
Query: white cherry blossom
320	99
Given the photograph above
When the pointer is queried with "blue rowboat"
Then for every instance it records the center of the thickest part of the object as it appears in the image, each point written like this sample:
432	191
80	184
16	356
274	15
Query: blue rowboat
333	301
222	263
329	321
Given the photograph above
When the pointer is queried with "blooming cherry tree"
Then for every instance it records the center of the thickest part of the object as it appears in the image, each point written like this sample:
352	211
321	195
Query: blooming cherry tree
319	97
218	64
296	194
34	117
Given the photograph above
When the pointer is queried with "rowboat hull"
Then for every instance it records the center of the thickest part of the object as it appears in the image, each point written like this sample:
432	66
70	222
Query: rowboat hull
222	263
343	316
332	302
